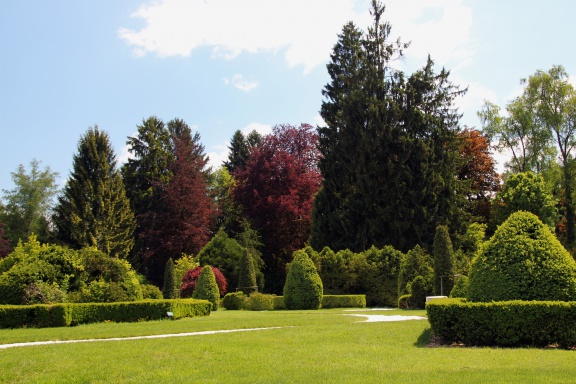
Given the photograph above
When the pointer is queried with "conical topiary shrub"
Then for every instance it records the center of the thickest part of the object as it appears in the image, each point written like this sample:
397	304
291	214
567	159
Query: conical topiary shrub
171	289
523	261
247	274
303	288
207	288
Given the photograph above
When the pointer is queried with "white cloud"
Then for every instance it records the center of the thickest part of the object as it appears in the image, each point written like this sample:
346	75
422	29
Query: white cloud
305	31
262	129
217	156
241	83
124	153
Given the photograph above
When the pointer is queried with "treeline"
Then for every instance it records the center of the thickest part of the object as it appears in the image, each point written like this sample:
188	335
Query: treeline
390	166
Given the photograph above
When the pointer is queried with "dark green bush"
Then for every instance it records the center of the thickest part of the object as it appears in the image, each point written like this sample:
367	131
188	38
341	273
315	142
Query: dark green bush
378	277
58	315
171	288
278	302
419	289
415	263
150	291
343	301
303	288
207	288
523	261
443	261
247	274
234	301
224	253
504	323
259	302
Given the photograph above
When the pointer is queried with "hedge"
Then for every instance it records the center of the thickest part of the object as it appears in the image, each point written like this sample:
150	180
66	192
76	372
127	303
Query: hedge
504	323
330	301
59	315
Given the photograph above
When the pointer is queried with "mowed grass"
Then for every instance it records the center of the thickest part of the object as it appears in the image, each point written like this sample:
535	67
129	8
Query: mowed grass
311	347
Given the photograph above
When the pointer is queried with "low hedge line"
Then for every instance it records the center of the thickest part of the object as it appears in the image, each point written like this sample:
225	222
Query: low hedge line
504	323
60	315
258	301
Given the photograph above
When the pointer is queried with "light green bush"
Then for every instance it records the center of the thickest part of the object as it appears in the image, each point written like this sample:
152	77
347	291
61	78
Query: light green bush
234	301
207	288
460	289
259	302
303	288
523	261
151	292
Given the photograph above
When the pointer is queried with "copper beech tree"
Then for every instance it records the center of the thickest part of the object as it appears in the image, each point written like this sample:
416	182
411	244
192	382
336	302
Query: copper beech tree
276	189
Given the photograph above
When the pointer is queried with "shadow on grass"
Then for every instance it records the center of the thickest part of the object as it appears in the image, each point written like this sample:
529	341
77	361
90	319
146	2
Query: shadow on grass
424	339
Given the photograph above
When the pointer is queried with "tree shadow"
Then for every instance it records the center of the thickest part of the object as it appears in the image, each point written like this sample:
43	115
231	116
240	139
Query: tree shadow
425	339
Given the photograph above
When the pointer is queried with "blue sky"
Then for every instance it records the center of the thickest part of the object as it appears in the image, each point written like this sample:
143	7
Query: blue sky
223	65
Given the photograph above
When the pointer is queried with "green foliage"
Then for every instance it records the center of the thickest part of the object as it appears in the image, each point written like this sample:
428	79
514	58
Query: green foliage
259	302
59	315
443	261
303	288
234	301
419	289
470	244
504	323
225	254
28	205
525	191
93	210
405	301
171	286
35	273
343	301
523	261
207	288
183	265
415	263
460	289
247	274
152	292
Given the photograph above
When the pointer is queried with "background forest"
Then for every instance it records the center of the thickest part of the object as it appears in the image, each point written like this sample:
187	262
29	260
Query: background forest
391	195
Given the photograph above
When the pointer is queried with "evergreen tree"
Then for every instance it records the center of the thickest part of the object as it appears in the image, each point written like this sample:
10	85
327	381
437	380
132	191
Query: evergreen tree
443	261
247	274
303	288
4	243
238	152
93	210
29	203
207	288
389	147
171	287
145	174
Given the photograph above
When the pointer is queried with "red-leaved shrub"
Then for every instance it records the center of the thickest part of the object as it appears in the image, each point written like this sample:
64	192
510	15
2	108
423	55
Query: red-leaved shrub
191	277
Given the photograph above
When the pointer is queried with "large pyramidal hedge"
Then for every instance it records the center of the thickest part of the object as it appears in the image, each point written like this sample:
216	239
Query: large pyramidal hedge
523	261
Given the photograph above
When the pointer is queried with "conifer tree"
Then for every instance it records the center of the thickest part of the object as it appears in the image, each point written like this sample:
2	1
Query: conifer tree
389	147
247	274
443	261
93	210
303	288
171	286
238	152
207	288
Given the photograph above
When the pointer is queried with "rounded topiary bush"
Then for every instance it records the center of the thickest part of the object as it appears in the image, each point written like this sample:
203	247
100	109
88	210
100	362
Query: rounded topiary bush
522	261
206	288
303	288
190	280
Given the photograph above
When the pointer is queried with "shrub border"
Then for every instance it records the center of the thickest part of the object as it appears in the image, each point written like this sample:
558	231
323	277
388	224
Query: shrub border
67	314
504	323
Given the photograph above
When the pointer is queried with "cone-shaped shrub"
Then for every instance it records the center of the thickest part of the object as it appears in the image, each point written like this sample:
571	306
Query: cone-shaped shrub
171	284
443	261
247	276
523	261
206	287
303	288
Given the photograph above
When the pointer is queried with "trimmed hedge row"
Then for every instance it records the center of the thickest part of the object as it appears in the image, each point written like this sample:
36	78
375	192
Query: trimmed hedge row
504	323
66	314
344	301
259	302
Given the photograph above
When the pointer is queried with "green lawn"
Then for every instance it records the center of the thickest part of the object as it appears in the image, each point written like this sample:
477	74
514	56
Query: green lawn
312	347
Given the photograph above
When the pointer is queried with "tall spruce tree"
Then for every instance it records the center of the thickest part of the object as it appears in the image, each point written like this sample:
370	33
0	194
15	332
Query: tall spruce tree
238	152
389	147
93	210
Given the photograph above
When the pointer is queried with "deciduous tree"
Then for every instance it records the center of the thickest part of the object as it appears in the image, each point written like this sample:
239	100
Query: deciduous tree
29	204
276	190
